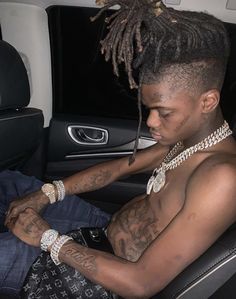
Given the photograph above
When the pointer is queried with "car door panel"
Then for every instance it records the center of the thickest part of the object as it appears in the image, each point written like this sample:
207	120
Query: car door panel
66	155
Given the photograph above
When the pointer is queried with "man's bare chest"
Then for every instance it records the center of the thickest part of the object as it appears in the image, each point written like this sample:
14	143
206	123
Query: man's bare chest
136	225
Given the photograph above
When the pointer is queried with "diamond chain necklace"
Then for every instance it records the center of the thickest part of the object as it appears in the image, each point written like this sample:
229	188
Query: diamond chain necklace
158	178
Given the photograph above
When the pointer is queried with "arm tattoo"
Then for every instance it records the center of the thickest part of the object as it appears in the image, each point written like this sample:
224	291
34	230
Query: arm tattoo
79	257
94	181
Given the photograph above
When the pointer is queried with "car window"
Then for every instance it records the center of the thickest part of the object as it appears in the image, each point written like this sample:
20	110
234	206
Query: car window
84	83
228	102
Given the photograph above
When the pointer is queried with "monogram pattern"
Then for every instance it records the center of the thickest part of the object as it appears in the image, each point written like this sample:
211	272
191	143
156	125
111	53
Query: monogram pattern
46	280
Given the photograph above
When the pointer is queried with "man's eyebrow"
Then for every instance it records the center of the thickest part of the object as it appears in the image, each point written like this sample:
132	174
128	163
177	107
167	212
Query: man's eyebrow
159	107
158	95
159	103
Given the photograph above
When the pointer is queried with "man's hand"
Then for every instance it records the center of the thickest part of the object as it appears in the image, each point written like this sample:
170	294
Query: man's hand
36	200
28	227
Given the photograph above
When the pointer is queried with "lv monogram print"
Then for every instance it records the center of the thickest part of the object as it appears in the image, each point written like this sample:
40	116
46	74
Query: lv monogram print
46	280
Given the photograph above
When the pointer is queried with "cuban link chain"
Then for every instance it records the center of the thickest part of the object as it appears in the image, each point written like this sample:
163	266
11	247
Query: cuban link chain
158	179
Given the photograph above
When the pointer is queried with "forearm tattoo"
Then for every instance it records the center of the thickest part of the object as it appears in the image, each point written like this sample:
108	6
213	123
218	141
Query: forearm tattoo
79	257
92	182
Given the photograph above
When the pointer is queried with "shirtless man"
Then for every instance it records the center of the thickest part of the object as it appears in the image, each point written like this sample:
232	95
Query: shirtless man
190	199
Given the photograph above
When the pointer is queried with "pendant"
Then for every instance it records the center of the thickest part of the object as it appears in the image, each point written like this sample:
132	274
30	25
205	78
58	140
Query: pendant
157	180
160	180
150	184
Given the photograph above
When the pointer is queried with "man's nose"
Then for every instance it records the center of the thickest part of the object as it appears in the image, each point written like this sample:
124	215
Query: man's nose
153	120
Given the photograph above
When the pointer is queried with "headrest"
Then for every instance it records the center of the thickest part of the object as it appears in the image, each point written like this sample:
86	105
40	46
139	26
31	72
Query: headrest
14	83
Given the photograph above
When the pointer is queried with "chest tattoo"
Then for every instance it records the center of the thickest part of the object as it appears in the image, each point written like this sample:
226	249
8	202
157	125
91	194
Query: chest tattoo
133	229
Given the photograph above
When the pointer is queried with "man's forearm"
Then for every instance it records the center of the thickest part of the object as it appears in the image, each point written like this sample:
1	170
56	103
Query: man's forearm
113	273
92	178
103	174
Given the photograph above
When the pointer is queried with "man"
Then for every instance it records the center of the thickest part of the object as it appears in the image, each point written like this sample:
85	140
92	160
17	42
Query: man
190	200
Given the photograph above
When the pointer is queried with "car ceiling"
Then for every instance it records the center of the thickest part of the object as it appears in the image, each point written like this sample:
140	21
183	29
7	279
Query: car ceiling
223	9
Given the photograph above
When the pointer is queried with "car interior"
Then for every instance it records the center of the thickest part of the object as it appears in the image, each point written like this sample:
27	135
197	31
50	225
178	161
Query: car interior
62	110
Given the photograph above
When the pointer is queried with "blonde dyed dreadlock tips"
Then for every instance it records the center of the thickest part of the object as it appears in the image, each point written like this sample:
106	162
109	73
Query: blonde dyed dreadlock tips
101	2
158	10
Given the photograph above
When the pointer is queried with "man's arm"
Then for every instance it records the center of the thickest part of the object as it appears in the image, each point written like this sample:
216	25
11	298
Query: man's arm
92	178
103	174
210	208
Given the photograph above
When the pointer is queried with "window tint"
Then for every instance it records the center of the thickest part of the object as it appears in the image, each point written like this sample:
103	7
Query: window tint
228	100
85	84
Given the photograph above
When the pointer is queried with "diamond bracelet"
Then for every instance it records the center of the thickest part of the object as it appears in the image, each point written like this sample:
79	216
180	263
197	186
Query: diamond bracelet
61	192
56	247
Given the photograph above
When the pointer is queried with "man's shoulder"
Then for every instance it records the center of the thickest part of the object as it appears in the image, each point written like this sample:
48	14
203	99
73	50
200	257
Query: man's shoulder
218	170
218	162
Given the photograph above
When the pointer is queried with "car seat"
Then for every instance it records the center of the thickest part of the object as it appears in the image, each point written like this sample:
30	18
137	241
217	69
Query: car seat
20	127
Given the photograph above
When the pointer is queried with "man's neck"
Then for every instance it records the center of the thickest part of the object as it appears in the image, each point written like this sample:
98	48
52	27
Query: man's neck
207	128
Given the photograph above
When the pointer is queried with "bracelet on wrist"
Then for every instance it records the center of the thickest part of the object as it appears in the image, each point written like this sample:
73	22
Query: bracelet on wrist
56	247
61	192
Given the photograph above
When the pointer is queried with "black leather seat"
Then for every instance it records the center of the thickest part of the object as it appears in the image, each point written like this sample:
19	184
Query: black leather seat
208	273
20	127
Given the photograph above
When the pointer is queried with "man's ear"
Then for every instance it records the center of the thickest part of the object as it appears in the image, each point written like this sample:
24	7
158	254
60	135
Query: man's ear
210	100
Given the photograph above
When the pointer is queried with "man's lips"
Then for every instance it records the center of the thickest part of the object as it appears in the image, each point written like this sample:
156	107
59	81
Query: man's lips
156	135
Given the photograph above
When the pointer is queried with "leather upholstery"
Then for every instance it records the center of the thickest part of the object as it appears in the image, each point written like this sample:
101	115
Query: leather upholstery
14	84
20	127
208	273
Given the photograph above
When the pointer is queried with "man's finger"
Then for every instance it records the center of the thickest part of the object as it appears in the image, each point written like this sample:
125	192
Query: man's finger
11	223
10	214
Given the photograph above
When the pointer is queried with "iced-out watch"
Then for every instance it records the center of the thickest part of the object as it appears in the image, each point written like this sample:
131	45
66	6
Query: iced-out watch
49	191
48	238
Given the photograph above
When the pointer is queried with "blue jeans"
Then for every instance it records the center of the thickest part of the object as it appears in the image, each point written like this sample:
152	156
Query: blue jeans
16	257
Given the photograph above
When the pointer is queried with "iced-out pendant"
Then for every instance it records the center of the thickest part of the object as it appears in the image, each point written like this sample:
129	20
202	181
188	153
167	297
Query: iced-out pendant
150	184
157	180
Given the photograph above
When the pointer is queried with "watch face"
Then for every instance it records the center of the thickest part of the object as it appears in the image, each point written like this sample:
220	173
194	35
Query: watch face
48	238
49	191
48	188
51	237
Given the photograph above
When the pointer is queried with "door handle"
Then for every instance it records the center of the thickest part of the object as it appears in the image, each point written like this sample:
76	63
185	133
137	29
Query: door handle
87	135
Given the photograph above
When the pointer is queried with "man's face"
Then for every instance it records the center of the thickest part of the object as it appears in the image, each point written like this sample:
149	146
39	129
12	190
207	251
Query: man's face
175	114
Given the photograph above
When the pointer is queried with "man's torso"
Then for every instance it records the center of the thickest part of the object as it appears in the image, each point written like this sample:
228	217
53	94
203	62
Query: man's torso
142	220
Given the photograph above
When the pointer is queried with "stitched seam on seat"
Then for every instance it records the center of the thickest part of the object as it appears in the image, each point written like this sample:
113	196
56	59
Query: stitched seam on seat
20	116
202	274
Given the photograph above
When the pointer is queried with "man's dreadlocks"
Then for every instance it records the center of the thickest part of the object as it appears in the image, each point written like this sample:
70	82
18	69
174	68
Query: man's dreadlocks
148	36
